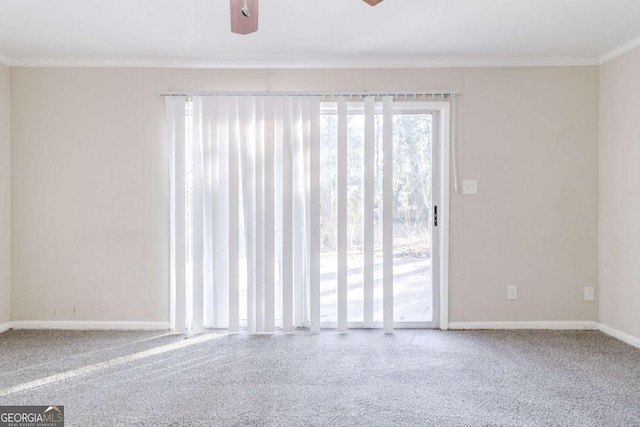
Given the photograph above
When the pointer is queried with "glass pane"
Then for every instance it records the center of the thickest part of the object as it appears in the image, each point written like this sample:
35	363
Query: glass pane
328	220
377	240
412	217
412	242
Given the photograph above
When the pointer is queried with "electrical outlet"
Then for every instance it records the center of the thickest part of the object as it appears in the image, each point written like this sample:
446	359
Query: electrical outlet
512	292
469	187
589	294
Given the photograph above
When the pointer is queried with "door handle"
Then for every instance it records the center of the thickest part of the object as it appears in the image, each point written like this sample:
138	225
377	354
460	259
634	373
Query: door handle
435	216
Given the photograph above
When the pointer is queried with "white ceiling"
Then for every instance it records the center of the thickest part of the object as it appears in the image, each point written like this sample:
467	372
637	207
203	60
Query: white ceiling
316	32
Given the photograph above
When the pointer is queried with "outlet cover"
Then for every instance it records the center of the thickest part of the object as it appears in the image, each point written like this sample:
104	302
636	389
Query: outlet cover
512	292
469	187
589	294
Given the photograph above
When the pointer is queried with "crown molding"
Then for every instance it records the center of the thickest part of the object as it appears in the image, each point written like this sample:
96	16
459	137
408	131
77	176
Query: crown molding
299	63
5	60
620	50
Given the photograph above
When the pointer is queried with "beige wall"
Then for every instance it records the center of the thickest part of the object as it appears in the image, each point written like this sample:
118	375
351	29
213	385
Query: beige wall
91	188
620	193
5	194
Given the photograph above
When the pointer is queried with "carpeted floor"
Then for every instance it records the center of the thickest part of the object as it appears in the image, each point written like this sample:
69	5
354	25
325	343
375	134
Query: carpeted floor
362	378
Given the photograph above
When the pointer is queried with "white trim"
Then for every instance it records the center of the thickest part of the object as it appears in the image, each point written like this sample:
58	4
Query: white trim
4	327
445	147
299	63
90	325
5	61
555	325
620	50
161	326
622	336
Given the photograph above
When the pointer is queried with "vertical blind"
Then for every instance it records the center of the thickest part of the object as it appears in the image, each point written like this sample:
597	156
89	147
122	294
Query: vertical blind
245	203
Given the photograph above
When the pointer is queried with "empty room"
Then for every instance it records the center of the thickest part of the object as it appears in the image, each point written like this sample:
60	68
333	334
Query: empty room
319	213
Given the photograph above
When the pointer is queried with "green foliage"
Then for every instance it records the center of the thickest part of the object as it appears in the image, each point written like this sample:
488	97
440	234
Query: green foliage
412	166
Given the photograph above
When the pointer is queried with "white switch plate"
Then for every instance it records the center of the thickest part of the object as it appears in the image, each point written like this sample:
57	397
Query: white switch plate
512	292
589	294
469	187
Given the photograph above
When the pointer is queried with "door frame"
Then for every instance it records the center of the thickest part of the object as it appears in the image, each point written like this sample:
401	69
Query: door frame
441	150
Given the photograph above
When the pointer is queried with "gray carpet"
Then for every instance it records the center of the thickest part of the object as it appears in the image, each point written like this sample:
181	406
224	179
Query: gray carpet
362	378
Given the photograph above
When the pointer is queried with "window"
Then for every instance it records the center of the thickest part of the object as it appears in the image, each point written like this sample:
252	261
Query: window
288	212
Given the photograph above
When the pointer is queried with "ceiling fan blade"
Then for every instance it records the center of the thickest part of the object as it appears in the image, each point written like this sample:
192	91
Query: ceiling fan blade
244	16
373	2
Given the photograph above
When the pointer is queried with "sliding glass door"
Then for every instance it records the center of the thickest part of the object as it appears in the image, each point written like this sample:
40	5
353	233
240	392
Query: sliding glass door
297	212
415	150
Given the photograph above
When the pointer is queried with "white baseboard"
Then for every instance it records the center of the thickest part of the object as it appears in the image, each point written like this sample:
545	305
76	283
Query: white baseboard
90	325
555	325
163	326
622	336
4	327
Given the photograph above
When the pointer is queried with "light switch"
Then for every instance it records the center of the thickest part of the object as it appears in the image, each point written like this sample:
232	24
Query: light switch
469	187
589	294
